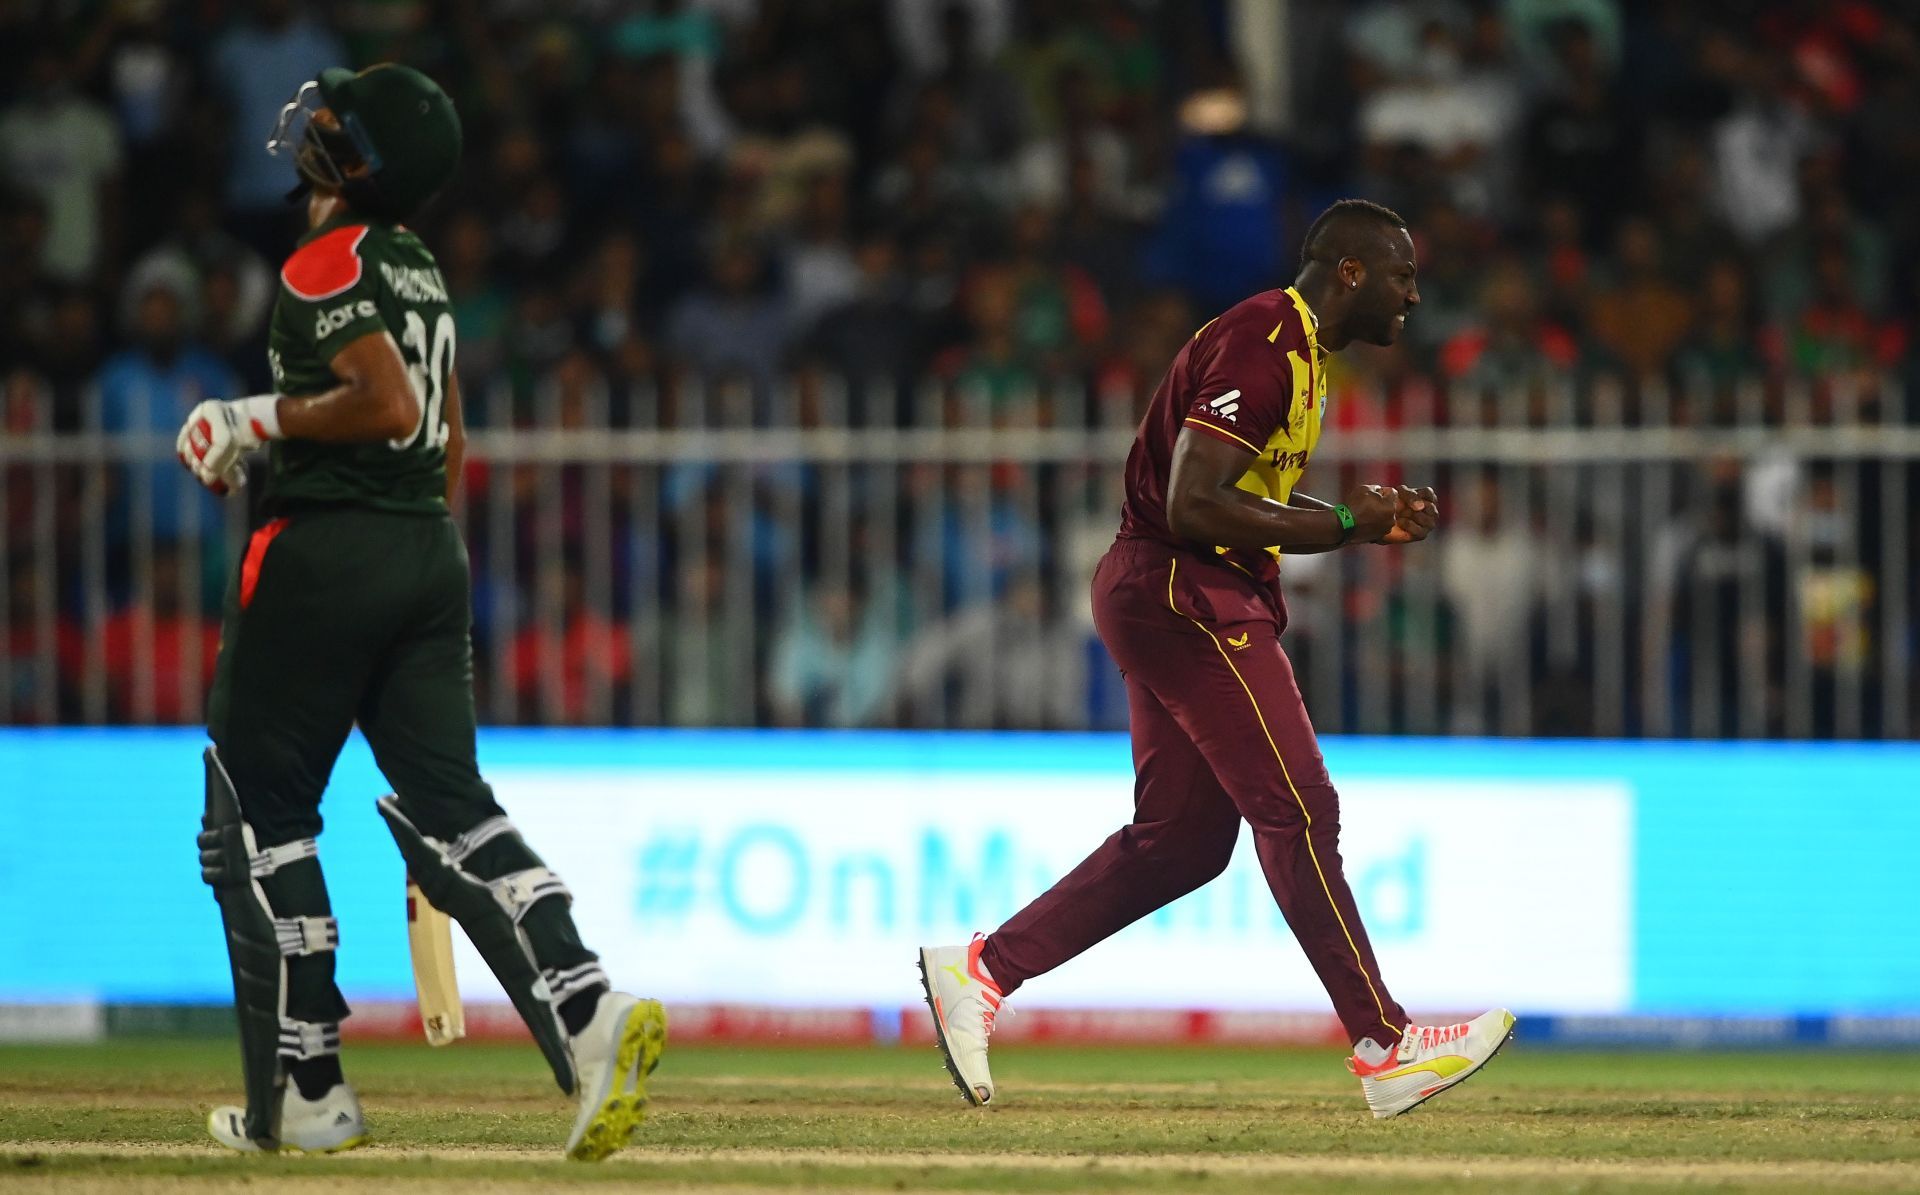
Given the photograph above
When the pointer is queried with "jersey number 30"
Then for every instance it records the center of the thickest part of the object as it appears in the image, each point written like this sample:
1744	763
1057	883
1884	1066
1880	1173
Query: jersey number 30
428	372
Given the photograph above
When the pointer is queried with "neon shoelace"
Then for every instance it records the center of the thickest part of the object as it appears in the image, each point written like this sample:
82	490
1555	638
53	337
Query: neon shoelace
991	1010
1438	1035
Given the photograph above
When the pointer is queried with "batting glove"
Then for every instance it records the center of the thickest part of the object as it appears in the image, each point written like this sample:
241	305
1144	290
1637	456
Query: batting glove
218	435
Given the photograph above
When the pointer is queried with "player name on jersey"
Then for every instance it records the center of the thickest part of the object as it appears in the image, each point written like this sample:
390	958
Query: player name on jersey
413	284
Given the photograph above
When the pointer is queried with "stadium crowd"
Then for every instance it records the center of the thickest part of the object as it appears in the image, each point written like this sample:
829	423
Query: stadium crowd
1031	204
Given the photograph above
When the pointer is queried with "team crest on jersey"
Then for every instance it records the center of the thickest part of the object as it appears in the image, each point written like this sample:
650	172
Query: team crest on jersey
1225	407
325	266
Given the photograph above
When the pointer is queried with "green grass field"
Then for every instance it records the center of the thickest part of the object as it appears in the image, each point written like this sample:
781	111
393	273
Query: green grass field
128	1116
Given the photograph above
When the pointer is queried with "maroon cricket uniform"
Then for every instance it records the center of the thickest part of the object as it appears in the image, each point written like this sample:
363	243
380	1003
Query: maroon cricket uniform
1220	733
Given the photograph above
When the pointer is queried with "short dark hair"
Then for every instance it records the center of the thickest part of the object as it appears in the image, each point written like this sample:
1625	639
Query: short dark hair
1336	232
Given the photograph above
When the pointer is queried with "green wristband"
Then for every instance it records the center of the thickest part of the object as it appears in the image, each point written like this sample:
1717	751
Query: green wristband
1346	521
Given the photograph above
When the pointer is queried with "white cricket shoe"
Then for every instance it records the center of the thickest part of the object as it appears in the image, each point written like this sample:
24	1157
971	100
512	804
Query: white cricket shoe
612	1058
324	1126
1429	1060
964	1000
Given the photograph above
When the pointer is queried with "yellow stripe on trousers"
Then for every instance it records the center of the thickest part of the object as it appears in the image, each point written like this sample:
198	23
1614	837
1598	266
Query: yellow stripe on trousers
1172	568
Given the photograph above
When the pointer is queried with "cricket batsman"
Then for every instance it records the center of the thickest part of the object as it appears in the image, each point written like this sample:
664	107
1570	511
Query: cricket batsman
1189	603
352	604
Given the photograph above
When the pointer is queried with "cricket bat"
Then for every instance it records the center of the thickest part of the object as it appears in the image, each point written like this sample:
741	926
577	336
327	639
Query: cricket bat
430	938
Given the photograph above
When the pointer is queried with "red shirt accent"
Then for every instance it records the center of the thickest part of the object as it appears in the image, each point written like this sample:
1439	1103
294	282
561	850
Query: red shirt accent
1244	350
255	557
327	265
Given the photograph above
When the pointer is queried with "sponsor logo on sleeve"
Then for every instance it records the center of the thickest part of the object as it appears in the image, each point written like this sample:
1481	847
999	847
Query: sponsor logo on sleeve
1225	407
334	319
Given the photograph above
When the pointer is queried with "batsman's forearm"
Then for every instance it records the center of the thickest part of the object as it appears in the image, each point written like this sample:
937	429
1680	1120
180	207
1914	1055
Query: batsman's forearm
456	459
350	413
1234	518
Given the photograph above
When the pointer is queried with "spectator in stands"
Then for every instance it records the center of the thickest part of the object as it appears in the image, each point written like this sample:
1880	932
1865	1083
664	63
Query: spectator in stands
45	655
242	286
148	388
160	646
1464	117
532	236
928	35
1000	665
1727	606
605	151
1758	147
1723	350
231	332
1540	29
26	408
1566	266
680	46
538	337
709	674
996	370
482	306
1837	602
1453	260
1101	242
833	661
873	337
821	273
1151	332
572	663
1692	233
66	347
1835	334
1222	235
1488	575
610	297
1508	341
260	63
1642	318
735	327
1081	138
1884	145
978	103
925	185
979	535
1831	223
62	147
1581	141
673	219
23	278
148	73
1062	317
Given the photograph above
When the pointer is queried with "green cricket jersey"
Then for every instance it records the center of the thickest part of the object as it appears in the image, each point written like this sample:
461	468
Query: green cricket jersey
350	277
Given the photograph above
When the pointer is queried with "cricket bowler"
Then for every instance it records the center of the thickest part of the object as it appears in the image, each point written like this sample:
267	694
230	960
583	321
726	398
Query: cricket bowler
1189	603
352	604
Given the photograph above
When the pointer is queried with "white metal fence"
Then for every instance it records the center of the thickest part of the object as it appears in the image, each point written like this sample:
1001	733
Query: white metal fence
1612	560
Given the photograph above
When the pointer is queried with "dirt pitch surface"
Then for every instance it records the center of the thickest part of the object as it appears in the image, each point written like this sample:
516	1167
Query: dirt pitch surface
128	1117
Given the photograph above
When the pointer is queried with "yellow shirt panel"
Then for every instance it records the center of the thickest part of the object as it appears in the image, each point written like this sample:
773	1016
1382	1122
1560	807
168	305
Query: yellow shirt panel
1288	450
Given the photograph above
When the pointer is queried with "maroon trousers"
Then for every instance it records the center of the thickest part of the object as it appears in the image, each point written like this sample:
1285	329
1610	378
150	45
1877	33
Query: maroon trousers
1220	734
